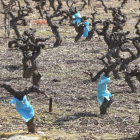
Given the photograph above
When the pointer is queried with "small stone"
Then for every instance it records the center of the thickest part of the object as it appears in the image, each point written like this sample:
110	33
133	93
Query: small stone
41	133
73	117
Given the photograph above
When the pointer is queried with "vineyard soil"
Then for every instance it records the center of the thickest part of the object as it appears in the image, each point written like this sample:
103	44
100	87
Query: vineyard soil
75	114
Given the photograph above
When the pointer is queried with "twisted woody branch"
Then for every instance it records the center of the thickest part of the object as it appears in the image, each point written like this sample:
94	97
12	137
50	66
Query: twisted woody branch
30	50
14	19
19	95
54	29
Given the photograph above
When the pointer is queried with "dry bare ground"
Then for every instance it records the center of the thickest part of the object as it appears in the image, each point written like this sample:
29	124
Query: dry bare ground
75	113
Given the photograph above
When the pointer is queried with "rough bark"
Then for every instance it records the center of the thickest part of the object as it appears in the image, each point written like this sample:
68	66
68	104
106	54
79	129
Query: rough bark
80	30
131	83
19	95
137	137
55	31
31	126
